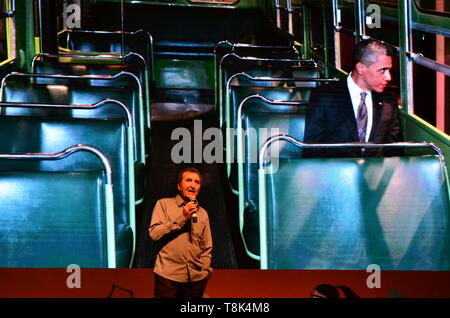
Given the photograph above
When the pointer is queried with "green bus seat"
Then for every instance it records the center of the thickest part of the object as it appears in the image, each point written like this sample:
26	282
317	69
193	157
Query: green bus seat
55	218
261	118
107	108
236	95
22	88
79	65
52	134
245	49
265	51
232	64
241	85
92	42
348	213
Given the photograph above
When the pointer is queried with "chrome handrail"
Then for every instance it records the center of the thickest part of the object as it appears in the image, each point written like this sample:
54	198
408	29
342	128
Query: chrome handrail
278	79
263	59
89	57
269	101
63	154
130	121
357	145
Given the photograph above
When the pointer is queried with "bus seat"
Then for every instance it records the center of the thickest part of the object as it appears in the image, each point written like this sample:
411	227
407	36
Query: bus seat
348	213
108	135
86	65
236	96
75	41
131	63
53	218
20	88
248	49
232	64
260	120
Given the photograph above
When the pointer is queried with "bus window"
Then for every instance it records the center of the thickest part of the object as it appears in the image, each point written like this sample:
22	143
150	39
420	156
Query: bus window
379	31
388	2
347	44
347	15
297	20
3	36
346	37
316	28
432	46
442	6
431	97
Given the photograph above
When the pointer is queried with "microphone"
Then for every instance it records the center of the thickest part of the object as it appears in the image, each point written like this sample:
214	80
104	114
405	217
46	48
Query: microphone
194	215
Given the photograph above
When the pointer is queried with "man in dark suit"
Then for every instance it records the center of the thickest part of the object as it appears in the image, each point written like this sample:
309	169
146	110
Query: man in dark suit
355	109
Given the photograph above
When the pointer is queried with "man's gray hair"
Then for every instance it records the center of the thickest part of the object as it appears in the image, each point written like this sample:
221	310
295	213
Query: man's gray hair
368	51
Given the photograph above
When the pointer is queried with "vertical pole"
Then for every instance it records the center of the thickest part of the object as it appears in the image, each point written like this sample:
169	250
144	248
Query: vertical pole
360	16
440	77
278	13
290	17
47	26
306	33
406	83
326	42
336	35
122	25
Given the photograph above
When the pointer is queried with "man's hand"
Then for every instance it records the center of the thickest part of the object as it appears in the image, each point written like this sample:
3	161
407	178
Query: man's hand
189	209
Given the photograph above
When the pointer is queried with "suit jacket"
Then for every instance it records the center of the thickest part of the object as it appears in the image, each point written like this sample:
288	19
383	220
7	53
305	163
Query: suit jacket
331	119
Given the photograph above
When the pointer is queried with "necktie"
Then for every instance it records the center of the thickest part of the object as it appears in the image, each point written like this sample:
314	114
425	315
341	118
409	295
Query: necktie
361	118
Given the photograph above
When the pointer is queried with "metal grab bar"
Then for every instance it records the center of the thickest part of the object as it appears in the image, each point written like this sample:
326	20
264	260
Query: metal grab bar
82	77
89	57
105	32
263	59
140	125
63	154
428	63
268	142
130	121
270	101
281	79
76	77
248	45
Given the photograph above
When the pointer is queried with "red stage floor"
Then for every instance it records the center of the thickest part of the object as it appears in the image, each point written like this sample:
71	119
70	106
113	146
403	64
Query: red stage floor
138	283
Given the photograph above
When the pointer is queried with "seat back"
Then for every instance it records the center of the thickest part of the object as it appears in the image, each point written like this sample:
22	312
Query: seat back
243	49
75	41
98	43
260	119
52	134
132	64
236	95
56	218
22	88
348	213
232	64
89	65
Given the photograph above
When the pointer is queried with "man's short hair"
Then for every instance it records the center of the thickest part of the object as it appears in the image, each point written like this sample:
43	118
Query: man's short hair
367	52
180	174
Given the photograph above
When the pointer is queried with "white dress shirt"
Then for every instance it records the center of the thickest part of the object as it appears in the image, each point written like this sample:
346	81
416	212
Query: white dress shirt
355	94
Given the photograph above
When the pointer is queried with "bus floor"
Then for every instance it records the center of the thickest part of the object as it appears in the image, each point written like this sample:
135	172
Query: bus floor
215	195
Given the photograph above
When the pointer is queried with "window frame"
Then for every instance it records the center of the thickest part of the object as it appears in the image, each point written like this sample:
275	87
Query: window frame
10	29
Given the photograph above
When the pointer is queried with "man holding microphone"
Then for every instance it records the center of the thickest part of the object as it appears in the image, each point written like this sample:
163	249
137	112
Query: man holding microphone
183	264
